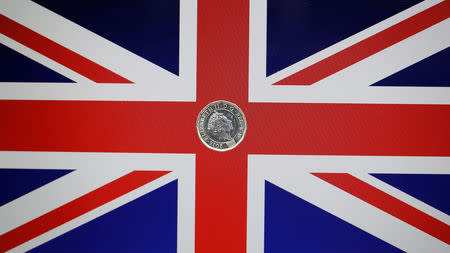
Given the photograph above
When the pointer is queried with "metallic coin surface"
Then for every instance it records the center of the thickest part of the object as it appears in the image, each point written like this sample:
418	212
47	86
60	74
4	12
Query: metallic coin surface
221	125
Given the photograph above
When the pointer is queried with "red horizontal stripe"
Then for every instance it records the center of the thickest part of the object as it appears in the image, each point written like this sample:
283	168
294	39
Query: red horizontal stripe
388	204
94	126
76	208
273	128
347	129
58	53
369	46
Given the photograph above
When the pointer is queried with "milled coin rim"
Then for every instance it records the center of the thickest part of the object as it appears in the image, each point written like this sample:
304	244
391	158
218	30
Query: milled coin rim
243	132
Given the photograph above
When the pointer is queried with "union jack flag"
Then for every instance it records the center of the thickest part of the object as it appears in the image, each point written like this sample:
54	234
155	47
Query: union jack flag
348	140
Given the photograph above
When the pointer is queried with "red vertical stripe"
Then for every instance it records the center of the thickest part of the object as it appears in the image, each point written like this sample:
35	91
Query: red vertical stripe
221	201
222	52
221	177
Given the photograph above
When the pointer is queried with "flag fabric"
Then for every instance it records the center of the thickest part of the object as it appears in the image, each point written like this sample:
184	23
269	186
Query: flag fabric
347	105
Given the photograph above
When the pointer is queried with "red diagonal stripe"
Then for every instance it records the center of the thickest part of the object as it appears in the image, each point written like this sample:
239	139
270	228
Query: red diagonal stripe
58	53
77	207
369	46
389	204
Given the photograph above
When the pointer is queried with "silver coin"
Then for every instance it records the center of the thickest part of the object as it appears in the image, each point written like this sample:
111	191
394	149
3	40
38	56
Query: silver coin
221	125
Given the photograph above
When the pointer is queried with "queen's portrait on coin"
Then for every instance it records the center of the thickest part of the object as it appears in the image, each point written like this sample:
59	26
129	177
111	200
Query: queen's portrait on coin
220	126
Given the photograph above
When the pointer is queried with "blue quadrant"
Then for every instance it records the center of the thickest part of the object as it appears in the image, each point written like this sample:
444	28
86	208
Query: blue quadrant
294	225
147	224
19	68
15	183
148	28
297	29
433	189
431	71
